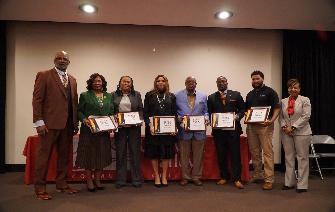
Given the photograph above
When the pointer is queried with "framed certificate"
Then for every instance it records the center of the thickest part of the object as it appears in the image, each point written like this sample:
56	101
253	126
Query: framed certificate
128	119
164	124
102	123
225	121
257	115
194	123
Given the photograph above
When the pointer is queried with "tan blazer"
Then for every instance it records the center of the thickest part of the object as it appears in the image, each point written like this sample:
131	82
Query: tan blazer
300	118
50	102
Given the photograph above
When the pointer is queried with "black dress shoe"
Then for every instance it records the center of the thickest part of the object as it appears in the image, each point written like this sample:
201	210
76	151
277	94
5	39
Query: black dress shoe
287	187
298	190
137	185
91	189
158	185
118	186
165	185
100	188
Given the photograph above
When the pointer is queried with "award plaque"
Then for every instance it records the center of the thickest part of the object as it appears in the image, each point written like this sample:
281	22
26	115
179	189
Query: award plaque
194	123
257	115
164	124
225	121
102	123
128	119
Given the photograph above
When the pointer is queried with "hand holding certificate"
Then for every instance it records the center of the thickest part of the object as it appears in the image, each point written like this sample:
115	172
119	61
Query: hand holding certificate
194	123
257	115
163	124
225	121
101	123
128	119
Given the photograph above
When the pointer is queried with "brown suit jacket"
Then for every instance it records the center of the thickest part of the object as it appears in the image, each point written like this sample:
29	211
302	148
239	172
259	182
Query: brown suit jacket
50	101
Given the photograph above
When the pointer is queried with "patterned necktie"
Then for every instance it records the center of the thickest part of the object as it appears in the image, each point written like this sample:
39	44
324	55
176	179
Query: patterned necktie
65	82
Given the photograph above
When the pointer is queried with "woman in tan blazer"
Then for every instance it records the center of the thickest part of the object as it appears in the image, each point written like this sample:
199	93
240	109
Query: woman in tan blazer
296	136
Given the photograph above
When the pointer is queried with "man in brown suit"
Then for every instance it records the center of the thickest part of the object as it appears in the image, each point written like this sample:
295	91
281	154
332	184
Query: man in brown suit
55	102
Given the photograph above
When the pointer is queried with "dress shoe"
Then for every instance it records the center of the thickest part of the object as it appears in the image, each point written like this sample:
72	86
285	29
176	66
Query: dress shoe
183	182
221	182
98	186
43	195
197	182
158	185
287	187
300	190
137	185
67	190
238	184
267	186
257	180
91	189
119	186
164	184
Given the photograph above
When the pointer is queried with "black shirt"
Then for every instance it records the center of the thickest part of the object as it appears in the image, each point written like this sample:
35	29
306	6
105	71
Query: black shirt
261	97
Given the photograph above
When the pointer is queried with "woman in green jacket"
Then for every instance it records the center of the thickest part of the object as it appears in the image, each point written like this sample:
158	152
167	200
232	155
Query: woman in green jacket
94	150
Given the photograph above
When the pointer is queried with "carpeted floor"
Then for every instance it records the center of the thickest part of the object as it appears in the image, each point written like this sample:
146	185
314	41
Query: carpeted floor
15	196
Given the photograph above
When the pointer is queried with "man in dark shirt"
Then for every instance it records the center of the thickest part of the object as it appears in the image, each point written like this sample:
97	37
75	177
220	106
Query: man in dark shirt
224	101
260	134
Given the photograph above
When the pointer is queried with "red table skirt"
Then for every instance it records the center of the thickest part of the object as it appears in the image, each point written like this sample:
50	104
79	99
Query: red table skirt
210	169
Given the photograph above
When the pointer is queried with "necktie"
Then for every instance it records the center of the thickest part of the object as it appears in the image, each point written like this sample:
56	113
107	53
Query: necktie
65	82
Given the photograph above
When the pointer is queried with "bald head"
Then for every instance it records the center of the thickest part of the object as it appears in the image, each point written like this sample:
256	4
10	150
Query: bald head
191	84
62	60
222	83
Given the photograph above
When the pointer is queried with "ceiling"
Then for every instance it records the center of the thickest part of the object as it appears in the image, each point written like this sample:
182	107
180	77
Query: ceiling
258	14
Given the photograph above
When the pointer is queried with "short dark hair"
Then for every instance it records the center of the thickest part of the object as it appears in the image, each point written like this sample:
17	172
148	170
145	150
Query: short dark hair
292	82
91	80
257	72
132	89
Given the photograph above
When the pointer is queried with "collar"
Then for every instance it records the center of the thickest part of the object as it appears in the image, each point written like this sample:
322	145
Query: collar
61	72
191	94
224	92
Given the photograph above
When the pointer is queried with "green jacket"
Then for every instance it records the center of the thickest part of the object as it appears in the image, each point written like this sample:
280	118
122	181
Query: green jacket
88	105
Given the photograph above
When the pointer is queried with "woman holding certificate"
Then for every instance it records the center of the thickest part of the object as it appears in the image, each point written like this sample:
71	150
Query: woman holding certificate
296	136
94	149
129	107
160	116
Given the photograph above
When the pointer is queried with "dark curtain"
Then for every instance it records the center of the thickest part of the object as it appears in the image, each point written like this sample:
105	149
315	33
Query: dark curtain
310	57
2	93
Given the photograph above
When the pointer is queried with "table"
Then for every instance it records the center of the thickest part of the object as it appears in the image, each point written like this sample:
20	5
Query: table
210	169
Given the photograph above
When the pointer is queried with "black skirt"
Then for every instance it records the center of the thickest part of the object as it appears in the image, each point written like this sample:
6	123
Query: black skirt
94	150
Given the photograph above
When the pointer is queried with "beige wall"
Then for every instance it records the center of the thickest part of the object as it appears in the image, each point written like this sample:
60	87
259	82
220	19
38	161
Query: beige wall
113	51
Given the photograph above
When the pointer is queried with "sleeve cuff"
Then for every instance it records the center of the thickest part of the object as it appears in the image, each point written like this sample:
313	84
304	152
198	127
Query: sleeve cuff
38	123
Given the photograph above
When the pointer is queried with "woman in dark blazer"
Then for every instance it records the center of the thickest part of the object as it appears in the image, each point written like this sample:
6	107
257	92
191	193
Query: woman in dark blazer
296	136
126	99
159	102
94	150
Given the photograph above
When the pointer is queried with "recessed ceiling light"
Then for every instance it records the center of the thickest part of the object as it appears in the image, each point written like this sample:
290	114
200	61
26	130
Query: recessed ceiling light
223	15
88	8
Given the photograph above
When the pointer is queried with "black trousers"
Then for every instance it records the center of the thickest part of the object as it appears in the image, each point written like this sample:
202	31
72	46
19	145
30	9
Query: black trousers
128	139
228	145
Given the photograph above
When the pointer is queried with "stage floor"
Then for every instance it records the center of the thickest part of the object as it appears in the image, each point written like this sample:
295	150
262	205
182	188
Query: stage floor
15	196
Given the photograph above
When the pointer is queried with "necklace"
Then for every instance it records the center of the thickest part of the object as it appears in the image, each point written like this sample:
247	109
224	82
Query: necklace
161	101
100	100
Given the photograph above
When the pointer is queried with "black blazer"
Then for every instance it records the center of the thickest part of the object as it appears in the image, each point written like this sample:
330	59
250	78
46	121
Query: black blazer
135	101
234	103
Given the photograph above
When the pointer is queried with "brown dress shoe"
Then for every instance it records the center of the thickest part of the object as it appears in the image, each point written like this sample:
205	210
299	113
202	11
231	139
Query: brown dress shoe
197	182
238	184
221	182
67	190
267	186
183	182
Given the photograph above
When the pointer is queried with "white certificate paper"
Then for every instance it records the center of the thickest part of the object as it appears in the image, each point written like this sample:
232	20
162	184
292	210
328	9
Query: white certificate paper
132	118
223	120
257	114
167	125
195	123
105	123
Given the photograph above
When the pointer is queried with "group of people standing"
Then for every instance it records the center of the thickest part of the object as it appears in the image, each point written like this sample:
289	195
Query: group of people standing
56	113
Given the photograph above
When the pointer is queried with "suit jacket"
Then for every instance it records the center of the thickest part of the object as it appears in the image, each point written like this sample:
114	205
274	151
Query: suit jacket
300	118
234	103
200	108
135	101
50	102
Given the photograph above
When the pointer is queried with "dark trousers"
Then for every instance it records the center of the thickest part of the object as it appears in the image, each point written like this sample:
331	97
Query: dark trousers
128	138
228	144
62	139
